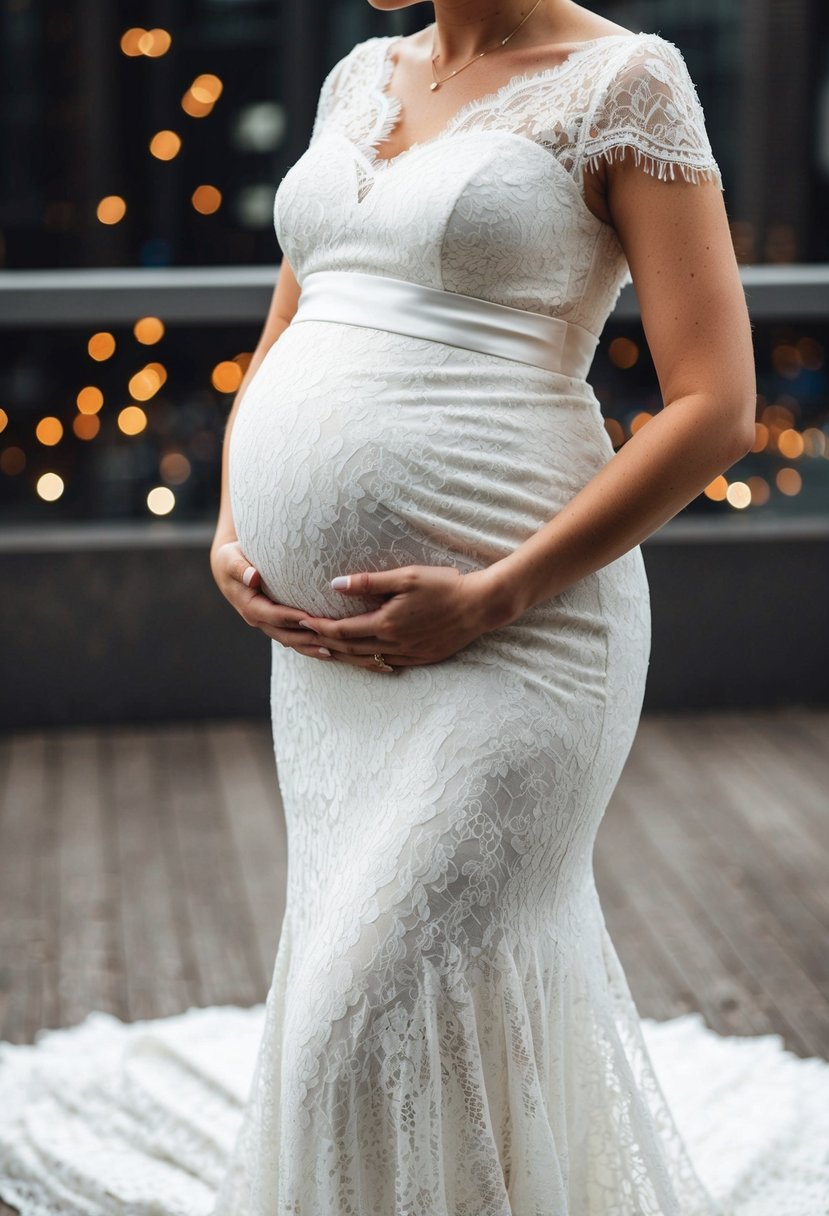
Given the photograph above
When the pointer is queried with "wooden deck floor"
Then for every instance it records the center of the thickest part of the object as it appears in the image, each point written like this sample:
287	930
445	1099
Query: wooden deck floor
142	870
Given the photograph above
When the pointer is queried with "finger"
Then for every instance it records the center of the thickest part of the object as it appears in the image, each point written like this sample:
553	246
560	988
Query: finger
369	582
248	574
364	628
322	652
263	612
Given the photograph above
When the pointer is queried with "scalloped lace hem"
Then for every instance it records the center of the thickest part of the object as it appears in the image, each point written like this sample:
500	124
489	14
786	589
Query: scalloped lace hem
108	1117
664	168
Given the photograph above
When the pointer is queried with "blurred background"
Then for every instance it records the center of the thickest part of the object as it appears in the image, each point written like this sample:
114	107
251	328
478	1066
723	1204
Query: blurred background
142	850
143	146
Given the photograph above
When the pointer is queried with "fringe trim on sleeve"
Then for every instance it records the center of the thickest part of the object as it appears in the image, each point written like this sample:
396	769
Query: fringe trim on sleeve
662	168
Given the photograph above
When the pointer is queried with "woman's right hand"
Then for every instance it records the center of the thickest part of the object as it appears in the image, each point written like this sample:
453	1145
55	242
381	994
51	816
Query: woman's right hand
240	584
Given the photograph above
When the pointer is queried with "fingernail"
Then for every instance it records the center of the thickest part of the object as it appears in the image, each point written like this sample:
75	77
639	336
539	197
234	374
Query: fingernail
305	624
248	575
324	650
341	582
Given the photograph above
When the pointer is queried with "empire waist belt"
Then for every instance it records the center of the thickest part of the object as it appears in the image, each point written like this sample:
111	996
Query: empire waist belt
355	298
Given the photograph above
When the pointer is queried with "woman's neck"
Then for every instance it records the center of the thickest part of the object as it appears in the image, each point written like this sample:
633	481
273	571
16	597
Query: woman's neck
467	27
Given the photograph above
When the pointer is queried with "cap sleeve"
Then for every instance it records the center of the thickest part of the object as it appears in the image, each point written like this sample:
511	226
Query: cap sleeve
650	105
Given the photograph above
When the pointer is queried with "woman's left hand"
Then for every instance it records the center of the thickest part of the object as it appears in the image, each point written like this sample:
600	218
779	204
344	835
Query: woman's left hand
431	613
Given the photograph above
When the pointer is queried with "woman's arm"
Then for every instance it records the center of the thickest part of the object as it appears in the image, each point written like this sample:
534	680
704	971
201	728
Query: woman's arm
282	308
677	241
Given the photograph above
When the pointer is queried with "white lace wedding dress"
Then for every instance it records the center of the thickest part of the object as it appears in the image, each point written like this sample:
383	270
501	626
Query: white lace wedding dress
448	1031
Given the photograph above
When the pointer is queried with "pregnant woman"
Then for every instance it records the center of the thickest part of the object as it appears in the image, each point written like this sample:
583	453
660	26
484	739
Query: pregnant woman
424	512
422	509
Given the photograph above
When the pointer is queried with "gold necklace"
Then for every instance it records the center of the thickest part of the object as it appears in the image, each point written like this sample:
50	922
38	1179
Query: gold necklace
437	83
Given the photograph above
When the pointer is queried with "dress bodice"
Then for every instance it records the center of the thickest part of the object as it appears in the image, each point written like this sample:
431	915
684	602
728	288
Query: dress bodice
493	206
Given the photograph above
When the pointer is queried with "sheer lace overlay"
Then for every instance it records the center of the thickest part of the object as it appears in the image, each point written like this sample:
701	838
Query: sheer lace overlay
612	93
448	1031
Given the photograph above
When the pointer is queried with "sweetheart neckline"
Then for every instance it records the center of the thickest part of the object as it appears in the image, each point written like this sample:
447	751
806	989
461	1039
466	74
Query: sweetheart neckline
360	149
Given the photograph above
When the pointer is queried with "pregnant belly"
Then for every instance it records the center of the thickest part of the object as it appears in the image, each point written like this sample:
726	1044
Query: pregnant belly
356	449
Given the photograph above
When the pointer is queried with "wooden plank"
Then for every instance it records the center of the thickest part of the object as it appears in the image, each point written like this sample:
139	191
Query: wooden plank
220	927
22	927
779	877
91	964
655	985
161	971
790	755
697	863
710	977
252	809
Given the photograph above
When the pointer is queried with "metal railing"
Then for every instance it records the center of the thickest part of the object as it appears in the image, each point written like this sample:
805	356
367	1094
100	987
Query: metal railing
220	294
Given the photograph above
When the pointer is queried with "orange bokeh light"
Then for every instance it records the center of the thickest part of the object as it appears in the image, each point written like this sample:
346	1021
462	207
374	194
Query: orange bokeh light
226	376
148	330
101	346
49	431
86	426
111	209
206	199
89	400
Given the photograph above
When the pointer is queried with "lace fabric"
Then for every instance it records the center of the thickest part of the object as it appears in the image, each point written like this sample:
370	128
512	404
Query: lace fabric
448	1031
493	206
108	1117
613	93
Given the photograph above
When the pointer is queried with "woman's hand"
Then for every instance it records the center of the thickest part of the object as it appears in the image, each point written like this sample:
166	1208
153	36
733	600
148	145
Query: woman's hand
431	613
240	584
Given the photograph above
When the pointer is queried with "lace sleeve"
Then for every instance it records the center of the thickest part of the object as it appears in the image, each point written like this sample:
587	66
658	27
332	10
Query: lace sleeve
651	106
329	94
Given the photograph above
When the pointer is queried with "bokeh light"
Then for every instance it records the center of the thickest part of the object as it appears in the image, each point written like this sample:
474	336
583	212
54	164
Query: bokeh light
206	199
195	108
130	40
12	461
111	209
132	420
154	43
174	468
623	353
161	500
49	486
86	426
788	481
165	145
717	489
639	421
49	431
89	400
148	330
101	346
738	495
226	376
144	384
790	444
207	87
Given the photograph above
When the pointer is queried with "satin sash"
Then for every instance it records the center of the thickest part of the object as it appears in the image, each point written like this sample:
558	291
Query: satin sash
355	298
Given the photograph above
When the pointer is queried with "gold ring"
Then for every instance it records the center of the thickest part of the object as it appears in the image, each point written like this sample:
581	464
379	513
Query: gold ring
381	662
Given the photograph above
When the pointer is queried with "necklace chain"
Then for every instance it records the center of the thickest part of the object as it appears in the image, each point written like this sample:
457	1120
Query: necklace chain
436	83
